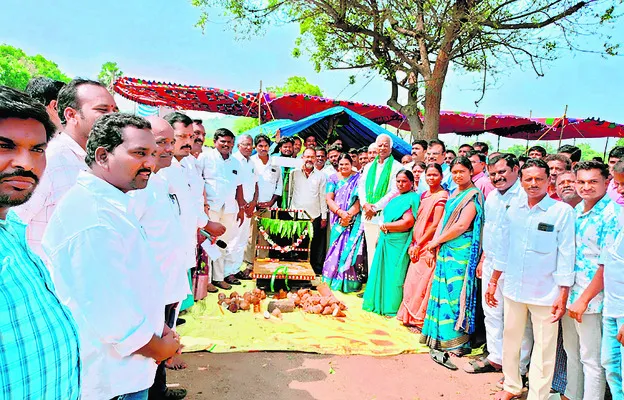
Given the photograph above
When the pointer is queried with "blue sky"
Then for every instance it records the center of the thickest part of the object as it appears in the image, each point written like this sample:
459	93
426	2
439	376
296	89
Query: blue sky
158	40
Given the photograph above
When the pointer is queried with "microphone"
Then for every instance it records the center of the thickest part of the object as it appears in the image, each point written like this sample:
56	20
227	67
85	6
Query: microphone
220	243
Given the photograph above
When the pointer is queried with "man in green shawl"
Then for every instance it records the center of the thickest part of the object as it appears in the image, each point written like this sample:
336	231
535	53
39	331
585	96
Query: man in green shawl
376	189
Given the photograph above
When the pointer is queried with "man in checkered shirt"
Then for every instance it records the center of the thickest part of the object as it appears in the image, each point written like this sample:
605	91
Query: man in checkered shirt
38	336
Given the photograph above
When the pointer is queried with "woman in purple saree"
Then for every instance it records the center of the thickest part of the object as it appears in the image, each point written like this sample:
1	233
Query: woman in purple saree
345	257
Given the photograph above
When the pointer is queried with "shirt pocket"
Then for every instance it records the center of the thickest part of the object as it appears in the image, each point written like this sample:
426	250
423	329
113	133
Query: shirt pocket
542	242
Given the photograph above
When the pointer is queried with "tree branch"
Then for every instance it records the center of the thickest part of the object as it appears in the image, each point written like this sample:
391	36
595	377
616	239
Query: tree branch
535	25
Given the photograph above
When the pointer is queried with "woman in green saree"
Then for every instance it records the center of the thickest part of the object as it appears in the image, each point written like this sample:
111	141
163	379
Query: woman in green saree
450	317
384	290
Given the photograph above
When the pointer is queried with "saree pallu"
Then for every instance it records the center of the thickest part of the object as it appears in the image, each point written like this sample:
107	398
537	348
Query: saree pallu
451	309
417	287
345	255
384	290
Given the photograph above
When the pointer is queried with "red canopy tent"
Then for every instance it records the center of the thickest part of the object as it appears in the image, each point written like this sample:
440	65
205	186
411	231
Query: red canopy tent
299	106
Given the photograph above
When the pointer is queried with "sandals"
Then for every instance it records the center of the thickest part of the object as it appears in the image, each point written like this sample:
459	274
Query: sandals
222	285
231	279
244	275
442	358
481	366
212	288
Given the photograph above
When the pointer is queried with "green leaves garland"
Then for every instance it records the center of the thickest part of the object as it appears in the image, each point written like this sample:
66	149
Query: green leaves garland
285	228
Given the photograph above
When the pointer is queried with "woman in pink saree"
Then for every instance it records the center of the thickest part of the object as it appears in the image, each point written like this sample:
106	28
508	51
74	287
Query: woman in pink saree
420	273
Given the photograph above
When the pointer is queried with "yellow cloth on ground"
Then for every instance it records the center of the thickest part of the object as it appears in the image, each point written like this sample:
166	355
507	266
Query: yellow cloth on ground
361	332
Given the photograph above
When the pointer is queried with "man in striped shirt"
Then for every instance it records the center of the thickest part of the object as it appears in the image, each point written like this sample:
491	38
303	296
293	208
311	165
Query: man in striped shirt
39	338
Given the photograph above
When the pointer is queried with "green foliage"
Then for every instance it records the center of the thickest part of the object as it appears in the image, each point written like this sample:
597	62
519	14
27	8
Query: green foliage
620	142
517	150
243	124
108	73
296	84
16	67
285	228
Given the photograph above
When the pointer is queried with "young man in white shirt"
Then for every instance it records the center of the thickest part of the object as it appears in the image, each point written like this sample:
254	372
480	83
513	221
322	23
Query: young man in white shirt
503	173
249	186
102	264
307	192
536	253
270	188
597	224
79	104
373	194
333	152
613	312
158	212
224	193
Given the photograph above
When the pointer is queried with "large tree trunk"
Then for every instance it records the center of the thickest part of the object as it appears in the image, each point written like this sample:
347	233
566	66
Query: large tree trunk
433	100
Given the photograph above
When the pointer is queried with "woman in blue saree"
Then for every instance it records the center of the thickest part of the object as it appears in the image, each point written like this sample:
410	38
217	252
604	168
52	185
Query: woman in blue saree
384	290
345	261
450	317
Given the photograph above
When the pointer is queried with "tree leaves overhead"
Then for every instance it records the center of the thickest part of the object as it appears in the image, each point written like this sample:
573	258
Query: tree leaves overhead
16	67
412	43
108	73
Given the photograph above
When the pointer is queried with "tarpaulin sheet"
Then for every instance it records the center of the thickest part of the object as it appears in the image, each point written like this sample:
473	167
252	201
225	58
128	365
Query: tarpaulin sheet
210	328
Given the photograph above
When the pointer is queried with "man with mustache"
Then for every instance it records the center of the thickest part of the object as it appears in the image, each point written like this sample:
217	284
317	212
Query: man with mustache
536	253
285	149
377	187
103	266
297	143
223	179
79	104
158	210
270	187
566	188
557	164
249	189
503	174
537	152
435	154
613	312
321	158
39	345
187	184
307	192
333	152
363	157
596	228
480	177
199	137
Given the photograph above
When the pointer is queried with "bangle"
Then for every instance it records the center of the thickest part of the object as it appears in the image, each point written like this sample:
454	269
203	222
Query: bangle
492	283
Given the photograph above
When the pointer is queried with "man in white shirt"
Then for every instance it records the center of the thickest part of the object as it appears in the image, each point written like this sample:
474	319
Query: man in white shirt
373	150
503	172
158	212
199	138
102	266
224	193
309	140
307	192
435	154
536	252
79	104
333	152
186	183
321	158
613	312
597	224
377	190
249	185
270	187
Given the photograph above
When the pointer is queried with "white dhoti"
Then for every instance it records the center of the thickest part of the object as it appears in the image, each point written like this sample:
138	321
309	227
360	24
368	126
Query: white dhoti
226	261
239	245
371	234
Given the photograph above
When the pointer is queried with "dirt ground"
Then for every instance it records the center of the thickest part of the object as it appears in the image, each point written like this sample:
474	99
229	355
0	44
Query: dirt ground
300	376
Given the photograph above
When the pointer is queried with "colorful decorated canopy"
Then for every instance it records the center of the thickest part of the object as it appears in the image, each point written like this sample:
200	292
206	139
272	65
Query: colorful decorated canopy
299	106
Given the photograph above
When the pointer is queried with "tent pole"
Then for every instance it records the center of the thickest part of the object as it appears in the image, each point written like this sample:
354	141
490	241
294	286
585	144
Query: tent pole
565	114
604	155
260	105
527	144
498	144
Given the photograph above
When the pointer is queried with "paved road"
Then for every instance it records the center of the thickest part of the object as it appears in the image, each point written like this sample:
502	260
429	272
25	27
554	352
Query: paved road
299	376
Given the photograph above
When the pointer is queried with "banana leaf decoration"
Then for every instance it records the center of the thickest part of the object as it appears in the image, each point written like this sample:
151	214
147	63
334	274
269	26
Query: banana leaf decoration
286	229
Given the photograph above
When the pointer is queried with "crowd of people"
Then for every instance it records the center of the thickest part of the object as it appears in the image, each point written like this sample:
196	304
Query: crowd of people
103	216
